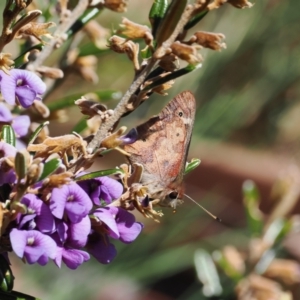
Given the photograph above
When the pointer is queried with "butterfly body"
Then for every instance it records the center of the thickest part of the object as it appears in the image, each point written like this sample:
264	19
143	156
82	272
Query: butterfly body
162	147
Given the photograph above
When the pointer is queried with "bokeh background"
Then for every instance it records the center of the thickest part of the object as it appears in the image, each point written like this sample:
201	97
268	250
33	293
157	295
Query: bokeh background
247	127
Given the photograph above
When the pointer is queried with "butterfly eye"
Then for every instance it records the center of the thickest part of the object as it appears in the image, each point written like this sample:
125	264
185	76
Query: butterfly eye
180	114
173	195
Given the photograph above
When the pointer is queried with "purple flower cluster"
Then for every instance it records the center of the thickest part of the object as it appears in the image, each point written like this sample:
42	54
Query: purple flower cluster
61	229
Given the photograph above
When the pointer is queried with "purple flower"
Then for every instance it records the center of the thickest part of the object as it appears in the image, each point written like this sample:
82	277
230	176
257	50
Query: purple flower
69	240
33	245
100	247
130	137
104	188
78	233
20	124
73	258
24	85
7	174
72	200
38	215
120	223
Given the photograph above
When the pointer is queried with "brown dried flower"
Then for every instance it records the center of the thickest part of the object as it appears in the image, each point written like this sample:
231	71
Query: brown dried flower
50	72
187	53
284	270
236	3
97	33
259	288
86	66
208	40
6	62
136	31
38	30
121	45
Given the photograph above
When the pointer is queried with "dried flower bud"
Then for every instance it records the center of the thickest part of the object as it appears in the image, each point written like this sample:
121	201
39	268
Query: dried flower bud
49	72
5	62
208	40
285	270
120	45
97	33
38	30
169	62
116	5
234	258
240	3
236	3
136	31
187	53
57	180
259	287
61	145
163	87
41	108
90	107
86	65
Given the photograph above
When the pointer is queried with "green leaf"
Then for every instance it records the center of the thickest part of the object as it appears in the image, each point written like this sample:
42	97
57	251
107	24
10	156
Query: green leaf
207	273
8	135
91	49
20	60
255	222
83	20
20	165
50	167
193	164
195	19
156	14
99	174
69	100
37	131
170	20
172	76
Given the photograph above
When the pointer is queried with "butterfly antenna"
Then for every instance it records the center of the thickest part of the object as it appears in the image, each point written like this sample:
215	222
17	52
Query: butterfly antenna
209	213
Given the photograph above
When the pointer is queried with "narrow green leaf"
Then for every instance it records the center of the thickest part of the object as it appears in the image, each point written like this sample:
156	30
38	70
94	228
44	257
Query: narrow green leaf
99	174
20	60
89	15
69	100
37	131
170	20
255	220
172	76
156	14
207	273
8	135
193	164
20	165
194	20
50	167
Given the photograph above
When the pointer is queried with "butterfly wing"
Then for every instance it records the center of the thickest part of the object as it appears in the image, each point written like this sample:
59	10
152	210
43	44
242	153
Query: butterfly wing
162	146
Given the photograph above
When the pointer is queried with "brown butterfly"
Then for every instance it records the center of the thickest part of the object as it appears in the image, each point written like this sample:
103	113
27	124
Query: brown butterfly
162	148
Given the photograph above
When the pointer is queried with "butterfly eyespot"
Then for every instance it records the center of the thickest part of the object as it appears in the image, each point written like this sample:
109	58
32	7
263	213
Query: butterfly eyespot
144	140
180	114
173	195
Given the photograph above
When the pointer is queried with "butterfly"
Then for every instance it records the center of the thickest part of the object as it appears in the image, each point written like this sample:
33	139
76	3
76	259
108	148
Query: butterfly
162	148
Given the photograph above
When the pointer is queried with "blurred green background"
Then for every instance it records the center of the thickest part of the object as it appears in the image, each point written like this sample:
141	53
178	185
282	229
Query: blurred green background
247	127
